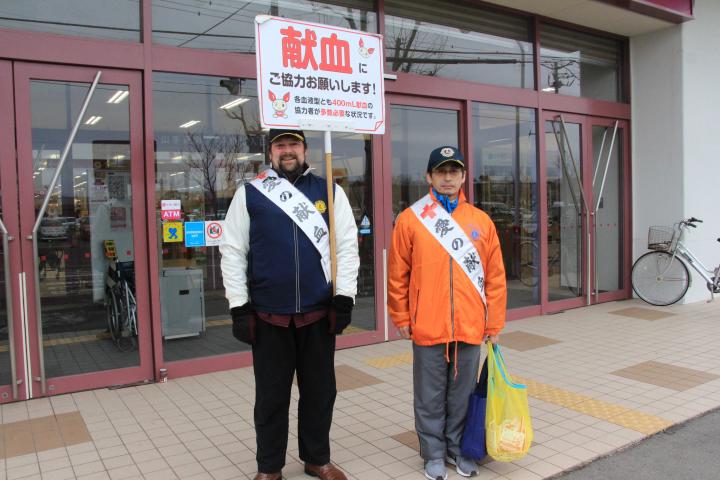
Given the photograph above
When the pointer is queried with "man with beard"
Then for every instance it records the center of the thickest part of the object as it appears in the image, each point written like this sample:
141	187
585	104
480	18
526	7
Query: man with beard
276	271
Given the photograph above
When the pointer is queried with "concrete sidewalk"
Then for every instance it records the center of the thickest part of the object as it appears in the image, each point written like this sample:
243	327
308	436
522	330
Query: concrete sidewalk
599	378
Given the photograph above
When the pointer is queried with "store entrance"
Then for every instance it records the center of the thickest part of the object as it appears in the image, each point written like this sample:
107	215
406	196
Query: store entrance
584	250
75	304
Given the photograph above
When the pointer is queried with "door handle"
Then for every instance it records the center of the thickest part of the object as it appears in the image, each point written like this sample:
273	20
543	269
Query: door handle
7	238
41	214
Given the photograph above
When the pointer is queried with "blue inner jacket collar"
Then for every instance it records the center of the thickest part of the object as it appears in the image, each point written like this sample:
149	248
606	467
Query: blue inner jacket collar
445	201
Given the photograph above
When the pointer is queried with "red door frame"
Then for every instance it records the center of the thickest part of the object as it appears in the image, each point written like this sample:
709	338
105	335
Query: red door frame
396	99
23	74
559	305
625	289
586	123
8	184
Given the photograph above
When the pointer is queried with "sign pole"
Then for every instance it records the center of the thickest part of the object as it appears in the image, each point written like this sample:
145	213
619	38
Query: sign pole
331	205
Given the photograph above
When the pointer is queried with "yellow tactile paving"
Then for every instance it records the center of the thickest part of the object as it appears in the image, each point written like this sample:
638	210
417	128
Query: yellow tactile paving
218	323
227	321
390	361
600	409
641	422
619	415
79	339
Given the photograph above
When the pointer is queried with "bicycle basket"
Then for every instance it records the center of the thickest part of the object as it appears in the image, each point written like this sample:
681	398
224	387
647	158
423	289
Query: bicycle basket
661	238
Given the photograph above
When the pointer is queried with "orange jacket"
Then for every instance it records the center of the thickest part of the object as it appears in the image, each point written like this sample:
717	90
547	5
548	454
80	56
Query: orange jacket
430	292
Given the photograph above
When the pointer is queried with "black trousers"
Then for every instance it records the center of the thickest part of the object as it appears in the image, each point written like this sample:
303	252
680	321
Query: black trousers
278	354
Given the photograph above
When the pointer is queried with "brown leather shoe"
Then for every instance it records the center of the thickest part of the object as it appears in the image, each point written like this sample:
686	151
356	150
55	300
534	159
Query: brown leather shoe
325	472
269	476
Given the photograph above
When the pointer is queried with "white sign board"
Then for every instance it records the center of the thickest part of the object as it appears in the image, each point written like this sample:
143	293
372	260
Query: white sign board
319	77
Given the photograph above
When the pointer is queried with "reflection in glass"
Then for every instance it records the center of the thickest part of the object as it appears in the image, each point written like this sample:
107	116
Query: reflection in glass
564	205
352	170
206	145
110	19
208	139
609	218
505	184
87	227
230	26
416	131
459	41
580	64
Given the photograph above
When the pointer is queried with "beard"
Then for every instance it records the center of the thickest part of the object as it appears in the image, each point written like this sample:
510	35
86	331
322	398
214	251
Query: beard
287	167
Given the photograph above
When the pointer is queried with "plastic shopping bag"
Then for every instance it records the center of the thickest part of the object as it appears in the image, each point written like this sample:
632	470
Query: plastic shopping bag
508	428
473	440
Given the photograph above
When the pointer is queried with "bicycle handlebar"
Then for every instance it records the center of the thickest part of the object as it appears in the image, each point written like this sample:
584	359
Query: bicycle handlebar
690	222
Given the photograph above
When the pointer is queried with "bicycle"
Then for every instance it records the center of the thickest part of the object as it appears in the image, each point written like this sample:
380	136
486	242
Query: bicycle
661	277
121	305
529	268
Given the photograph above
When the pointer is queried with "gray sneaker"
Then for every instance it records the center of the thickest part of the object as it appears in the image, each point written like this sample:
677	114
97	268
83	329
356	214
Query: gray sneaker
435	469
464	466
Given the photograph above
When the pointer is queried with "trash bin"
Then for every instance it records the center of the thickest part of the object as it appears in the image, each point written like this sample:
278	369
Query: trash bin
183	310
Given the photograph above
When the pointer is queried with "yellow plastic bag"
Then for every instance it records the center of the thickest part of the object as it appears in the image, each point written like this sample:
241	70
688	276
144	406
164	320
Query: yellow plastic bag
508	429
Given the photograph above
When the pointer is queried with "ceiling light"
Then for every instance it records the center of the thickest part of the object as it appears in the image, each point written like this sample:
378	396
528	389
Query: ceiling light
177	157
118	96
93	120
548	89
189	124
234	103
118	157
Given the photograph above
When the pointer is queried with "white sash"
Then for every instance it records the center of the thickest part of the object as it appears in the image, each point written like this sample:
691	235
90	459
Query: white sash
300	209
453	239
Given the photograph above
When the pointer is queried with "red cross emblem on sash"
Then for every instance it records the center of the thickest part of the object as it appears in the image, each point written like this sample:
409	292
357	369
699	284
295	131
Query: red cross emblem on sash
428	210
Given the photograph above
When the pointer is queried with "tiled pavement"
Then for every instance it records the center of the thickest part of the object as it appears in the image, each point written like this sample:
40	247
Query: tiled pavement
599	379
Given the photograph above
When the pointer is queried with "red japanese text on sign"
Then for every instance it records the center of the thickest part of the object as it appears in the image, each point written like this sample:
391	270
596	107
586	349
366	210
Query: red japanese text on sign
298	51
317	76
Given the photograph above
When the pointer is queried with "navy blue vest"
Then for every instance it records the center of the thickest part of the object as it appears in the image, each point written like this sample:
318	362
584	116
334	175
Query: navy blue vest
284	271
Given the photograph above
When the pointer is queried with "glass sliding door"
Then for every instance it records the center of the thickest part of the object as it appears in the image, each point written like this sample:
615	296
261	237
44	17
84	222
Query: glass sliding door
415	132
563	169
609	199
505	187
87	296
586	201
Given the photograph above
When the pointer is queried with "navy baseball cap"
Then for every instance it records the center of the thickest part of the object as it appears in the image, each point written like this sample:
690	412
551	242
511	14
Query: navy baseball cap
276	133
442	155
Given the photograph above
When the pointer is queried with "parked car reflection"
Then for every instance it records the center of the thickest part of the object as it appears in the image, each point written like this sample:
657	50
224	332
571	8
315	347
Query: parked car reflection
53	229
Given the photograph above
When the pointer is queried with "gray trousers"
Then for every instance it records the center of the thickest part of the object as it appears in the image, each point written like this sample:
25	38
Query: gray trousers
440	399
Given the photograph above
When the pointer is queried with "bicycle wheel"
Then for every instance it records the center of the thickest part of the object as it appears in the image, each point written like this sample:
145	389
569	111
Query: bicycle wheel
113	316
660	278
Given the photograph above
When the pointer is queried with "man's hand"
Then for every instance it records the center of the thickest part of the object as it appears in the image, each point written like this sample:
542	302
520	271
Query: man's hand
493	338
243	323
404	332
340	314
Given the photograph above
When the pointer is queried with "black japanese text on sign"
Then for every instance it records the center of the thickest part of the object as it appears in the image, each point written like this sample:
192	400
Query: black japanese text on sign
317	74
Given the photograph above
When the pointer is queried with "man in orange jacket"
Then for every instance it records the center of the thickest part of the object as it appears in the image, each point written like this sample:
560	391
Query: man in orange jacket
446	292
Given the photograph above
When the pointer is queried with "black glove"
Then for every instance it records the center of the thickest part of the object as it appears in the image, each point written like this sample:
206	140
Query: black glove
340	314
243	327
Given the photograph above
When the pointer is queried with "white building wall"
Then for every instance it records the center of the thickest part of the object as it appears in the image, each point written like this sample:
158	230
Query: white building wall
701	132
676	133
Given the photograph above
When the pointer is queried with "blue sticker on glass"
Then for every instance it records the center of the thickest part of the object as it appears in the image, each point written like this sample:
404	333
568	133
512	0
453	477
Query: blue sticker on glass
194	234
